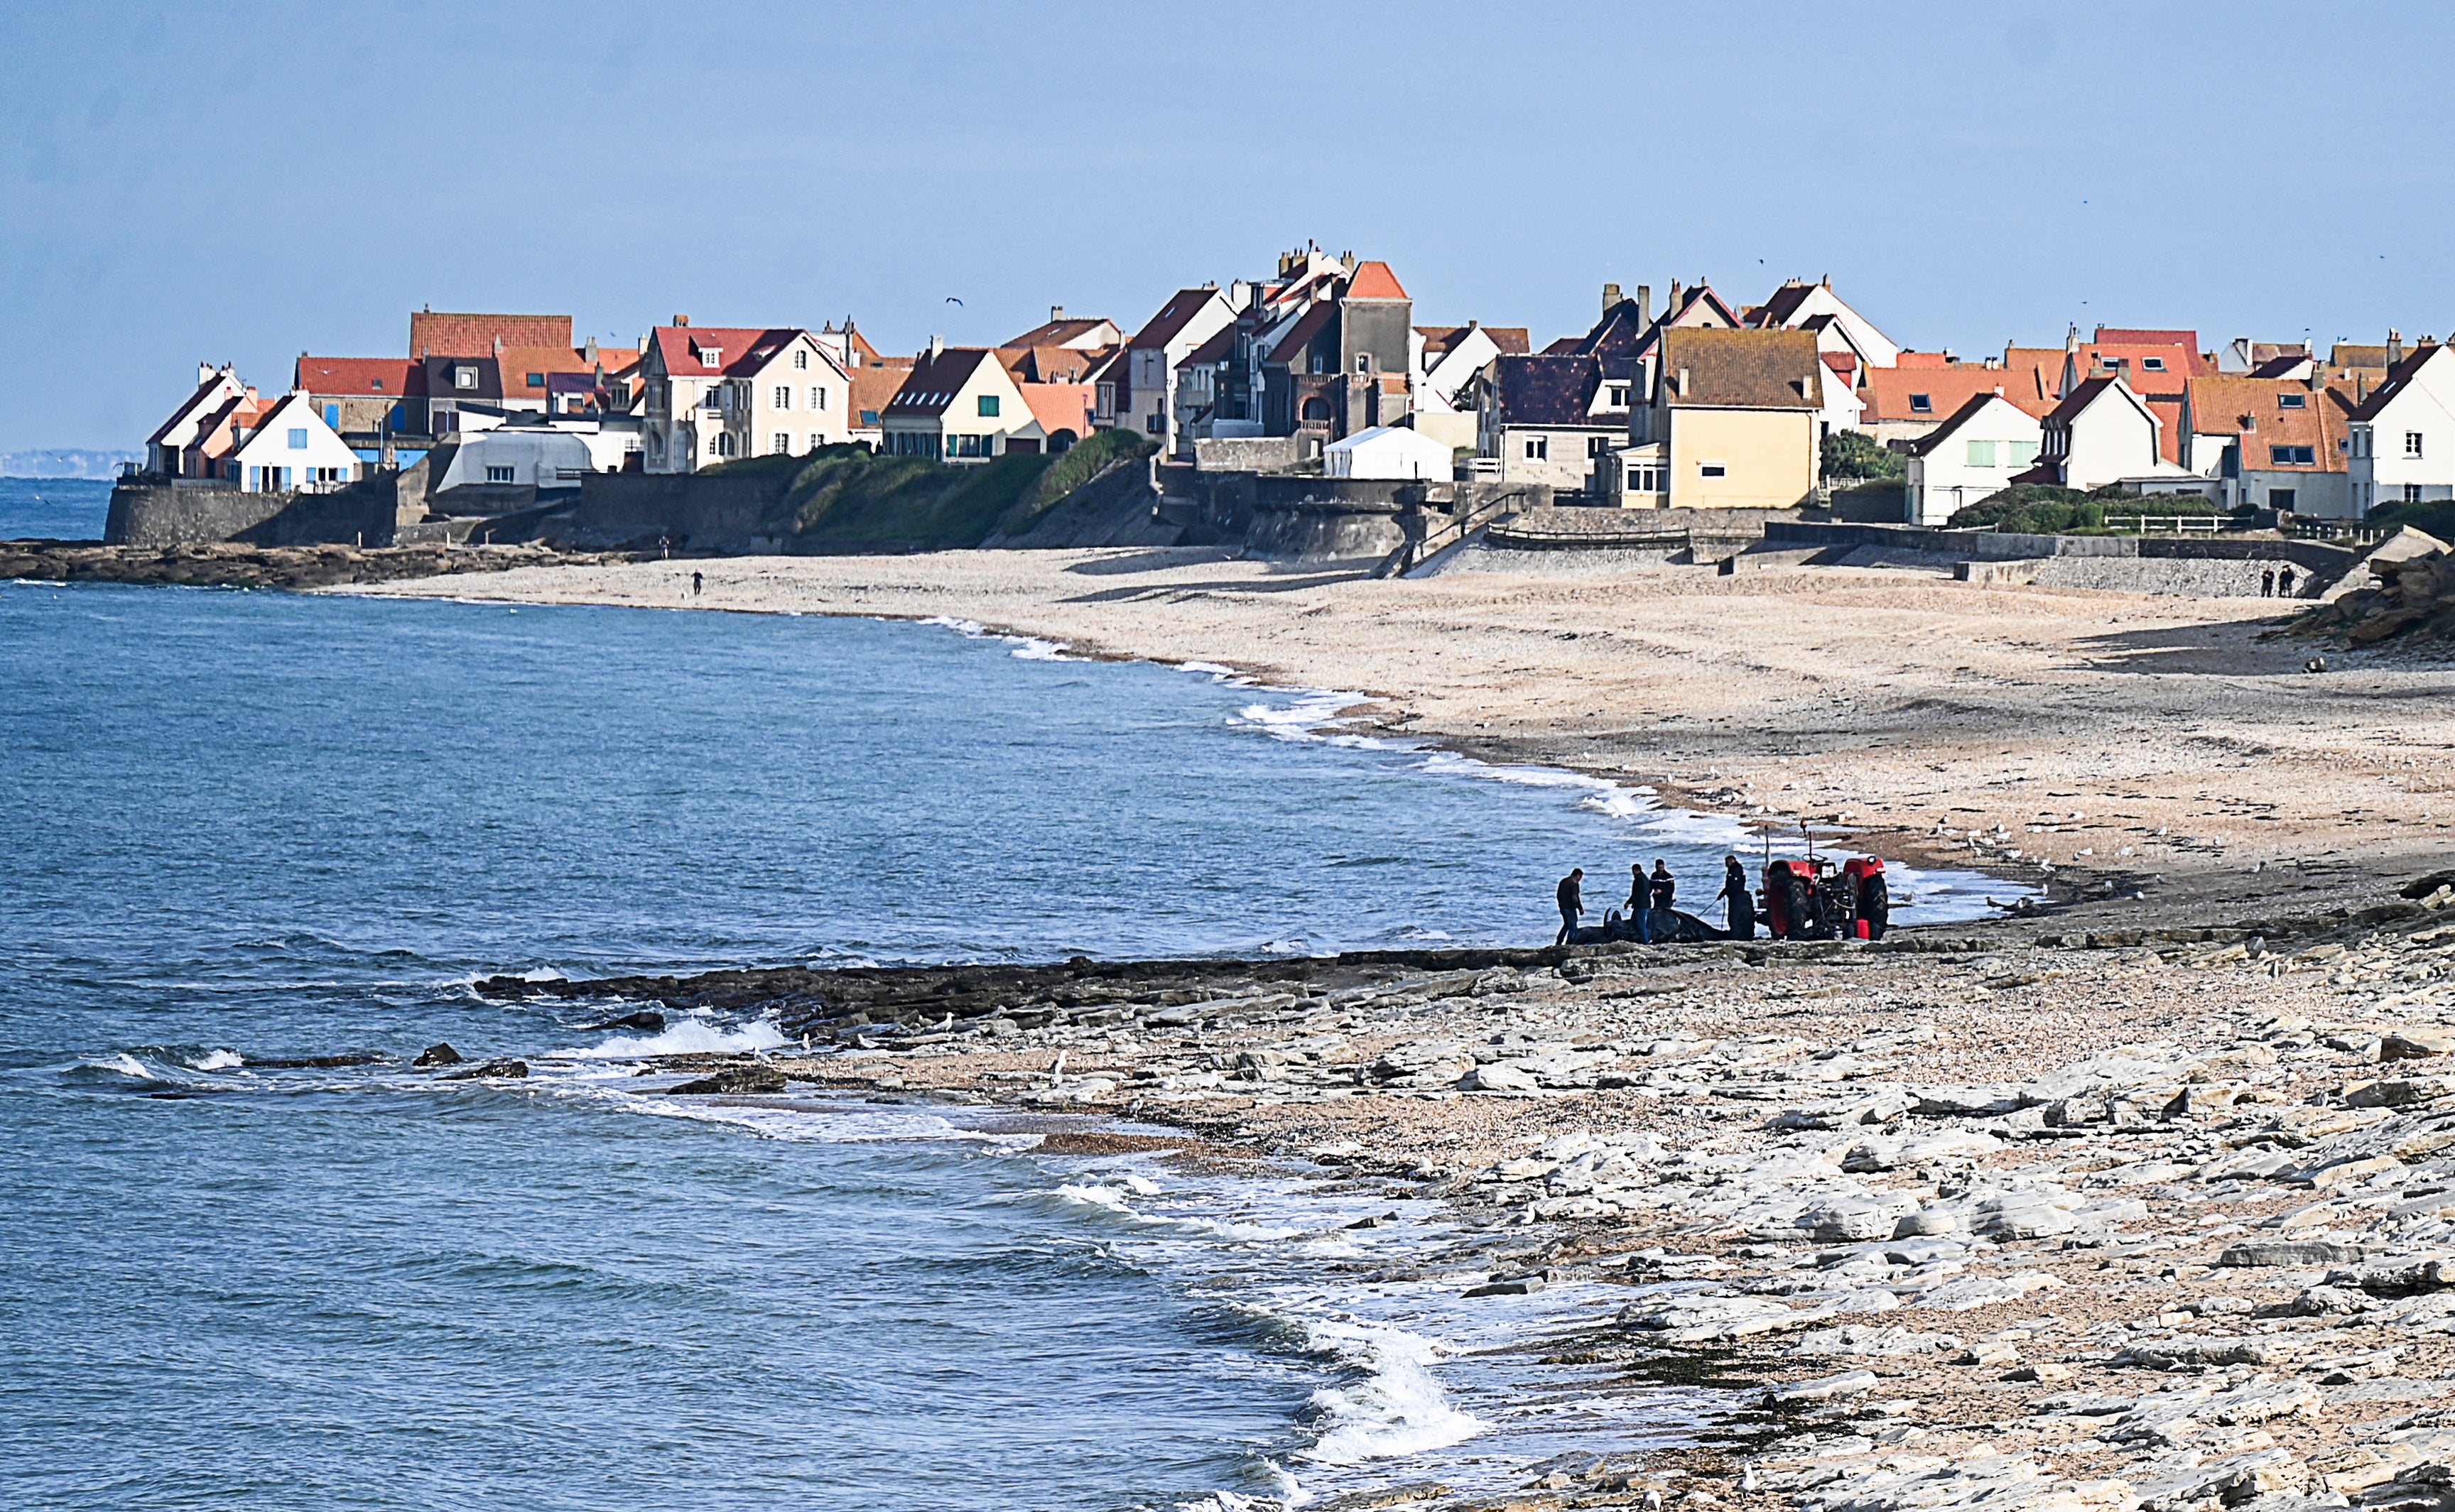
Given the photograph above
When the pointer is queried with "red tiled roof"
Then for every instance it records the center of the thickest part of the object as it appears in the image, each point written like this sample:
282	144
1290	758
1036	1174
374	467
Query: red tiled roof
384	378
740	350
1888	391
2179	362
438	333
2139	337
2259	414
873	386
1373	280
1060	406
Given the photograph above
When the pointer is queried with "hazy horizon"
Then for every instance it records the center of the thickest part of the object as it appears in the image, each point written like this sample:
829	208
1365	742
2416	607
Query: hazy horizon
191	187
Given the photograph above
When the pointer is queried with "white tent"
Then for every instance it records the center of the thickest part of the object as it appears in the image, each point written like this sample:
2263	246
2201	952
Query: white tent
1389	451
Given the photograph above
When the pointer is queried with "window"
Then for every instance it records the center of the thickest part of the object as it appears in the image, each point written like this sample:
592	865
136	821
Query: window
2292	401
1538	448
1158	422
1598	445
2290	455
1713	469
1317	408
988	406
818	397
2153	364
1317	362
2280	498
537	380
2412	492
1364	362
497	474
299	439
800	361
2412	443
2113	364
1981	454
711	356
783	444
869	416
2021	453
464	377
1921	404
1108	400
332	415
1619	397
818	439
377	384
784	395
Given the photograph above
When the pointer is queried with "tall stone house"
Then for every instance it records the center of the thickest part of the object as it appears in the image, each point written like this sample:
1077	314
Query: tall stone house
708	395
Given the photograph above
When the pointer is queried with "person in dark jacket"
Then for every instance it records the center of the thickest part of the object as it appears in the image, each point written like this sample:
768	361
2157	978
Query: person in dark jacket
1640	902
1743	905
1572	902
1666	887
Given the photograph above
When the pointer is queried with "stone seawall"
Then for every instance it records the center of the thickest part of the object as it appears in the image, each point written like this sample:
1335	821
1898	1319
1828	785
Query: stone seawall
159	514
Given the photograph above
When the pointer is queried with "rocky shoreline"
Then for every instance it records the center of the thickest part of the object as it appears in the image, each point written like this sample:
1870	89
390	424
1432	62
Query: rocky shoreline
225	564
2164	1219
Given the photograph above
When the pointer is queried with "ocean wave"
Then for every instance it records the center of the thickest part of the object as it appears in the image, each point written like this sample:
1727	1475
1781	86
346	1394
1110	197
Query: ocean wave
1397	1409
689	1037
1026	648
219	1060
1112	1199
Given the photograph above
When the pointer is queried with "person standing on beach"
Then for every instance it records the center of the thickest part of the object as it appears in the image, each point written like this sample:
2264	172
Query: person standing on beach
2284	583
695	584
1572	902
1640	903
1666	887
1742	916
2267	583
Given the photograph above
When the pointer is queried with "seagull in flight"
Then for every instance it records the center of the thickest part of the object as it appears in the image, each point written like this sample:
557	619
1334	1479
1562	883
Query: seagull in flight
952	300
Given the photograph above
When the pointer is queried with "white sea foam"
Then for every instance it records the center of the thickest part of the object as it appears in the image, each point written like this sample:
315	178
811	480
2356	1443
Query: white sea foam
806	1124
1397	1409
690	1037
1113	1200
219	1060
126	1064
1028	647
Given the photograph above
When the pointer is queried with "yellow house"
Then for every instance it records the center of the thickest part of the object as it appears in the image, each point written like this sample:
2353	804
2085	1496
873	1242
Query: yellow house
1731	420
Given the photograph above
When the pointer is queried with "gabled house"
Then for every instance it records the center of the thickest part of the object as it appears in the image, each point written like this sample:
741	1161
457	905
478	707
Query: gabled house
1546	418
712	394
1798	304
1729	418
367	400
219	432
286	447
1059	329
962	405
1446	361
2403	434
1976	450
2098	434
217	390
1142	381
2272	443
1345	365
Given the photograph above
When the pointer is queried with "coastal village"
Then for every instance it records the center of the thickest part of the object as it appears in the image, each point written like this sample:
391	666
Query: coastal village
1795	406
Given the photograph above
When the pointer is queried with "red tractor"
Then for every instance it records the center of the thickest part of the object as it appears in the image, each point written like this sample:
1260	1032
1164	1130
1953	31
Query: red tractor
1816	900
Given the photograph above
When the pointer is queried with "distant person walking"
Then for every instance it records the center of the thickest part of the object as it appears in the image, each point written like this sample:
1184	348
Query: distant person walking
1742	915
2267	583
1572	902
696	582
2284	583
1640	902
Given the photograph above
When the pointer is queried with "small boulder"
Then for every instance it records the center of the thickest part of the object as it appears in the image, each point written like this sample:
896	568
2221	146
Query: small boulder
733	1081
646	1018
437	1055
2416	1044
2290	1252
491	1070
1497	1078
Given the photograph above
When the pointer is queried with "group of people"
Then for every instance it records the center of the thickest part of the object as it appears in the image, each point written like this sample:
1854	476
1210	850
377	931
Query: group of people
1649	895
2272	583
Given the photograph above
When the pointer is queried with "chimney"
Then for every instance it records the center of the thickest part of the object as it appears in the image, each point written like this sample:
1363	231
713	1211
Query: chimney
1611	298
1644	304
937	345
682	320
1056	312
498	345
2394	347
1673	307
204	374
1827	280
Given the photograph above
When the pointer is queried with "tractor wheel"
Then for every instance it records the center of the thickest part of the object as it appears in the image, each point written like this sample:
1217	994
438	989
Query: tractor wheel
1796	906
1874	906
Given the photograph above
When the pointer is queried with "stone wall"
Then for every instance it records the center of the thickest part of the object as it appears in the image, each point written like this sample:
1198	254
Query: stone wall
165	515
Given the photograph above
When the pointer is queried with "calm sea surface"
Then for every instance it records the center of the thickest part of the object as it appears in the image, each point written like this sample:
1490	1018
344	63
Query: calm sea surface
245	827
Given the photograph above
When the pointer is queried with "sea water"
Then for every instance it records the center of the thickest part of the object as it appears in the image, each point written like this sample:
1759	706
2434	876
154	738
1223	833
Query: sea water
248	827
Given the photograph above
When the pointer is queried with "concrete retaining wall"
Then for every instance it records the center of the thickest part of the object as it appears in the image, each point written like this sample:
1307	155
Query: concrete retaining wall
1255	453
692	514
157	514
2309	557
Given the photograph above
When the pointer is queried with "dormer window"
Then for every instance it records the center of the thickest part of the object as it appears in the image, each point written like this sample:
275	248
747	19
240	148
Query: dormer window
537	380
2153	364
1921	404
377	384
1619	395
2292	401
464	377
711	356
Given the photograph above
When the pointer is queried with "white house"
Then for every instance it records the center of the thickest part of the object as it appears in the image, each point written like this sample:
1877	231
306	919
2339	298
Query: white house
2102	432
2404	435
215	389
1387	452
1447	360
711	393
1802	306
1975	452
1146	401
291	447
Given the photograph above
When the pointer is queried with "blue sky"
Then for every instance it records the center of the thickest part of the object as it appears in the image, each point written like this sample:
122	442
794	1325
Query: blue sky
247	183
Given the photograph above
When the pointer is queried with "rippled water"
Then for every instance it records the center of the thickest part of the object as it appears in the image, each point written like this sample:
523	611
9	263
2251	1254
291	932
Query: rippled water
67	509
246	827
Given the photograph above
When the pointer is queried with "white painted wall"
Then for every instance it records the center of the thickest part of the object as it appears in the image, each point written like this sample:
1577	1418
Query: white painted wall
1388	452
1977	458
294	443
2384	467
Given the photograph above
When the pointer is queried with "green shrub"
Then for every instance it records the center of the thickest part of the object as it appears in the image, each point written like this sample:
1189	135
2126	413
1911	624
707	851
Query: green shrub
1089	458
1854	453
2436	519
848	496
2043	509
